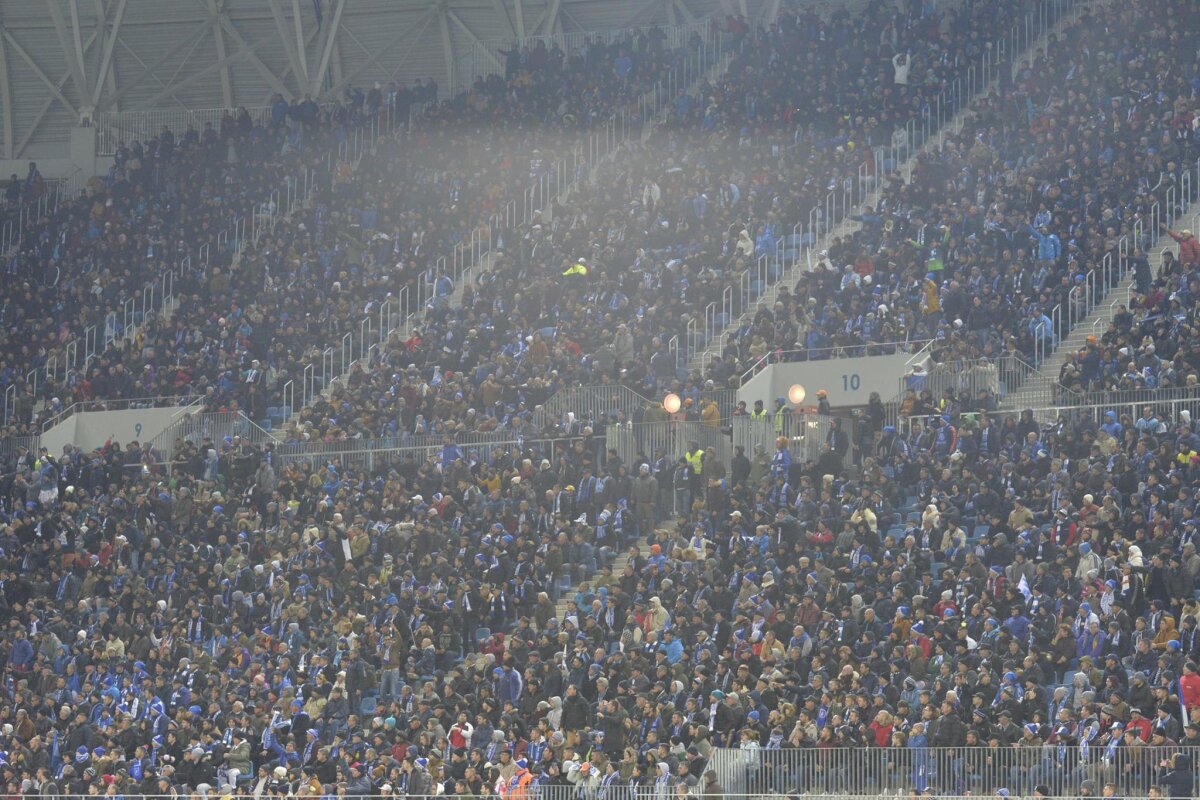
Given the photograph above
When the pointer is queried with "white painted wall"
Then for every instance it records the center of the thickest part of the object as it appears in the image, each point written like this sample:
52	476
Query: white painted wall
91	429
849	381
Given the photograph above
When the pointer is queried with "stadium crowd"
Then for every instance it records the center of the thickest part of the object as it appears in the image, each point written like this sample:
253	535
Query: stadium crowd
162	200
1004	224
597	291
317	270
1150	343
324	267
245	624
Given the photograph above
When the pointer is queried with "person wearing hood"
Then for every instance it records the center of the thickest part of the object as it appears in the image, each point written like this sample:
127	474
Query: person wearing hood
656	616
554	715
745	245
1175	776
760	464
623	344
1166	633
663	782
1088	559
1112	425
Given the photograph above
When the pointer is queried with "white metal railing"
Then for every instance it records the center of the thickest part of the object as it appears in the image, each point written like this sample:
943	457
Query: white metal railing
66	365
157	296
860	350
591	789
1144	240
1127	408
116	404
372	454
712	323
1106	278
968	377
364	341
587	402
16	218
193	426
116	127
485	56
911	767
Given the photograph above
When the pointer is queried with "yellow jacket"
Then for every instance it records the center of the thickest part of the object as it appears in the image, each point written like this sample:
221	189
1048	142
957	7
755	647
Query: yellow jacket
932	303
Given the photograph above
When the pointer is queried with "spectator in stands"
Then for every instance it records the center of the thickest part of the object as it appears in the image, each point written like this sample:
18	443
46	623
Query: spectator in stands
244	595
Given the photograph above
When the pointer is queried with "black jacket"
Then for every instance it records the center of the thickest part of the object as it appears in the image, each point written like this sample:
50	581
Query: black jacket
948	731
574	713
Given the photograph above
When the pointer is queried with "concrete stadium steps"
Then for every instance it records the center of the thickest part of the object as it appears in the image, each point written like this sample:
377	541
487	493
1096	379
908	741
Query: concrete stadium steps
485	263
1039	390
618	566
792	274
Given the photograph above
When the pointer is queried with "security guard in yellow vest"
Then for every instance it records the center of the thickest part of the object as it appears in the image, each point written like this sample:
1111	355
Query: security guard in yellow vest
578	269
695	458
759	412
781	412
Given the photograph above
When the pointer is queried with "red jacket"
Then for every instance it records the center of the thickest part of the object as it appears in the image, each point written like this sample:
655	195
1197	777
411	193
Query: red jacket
1142	726
1189	687
1189	248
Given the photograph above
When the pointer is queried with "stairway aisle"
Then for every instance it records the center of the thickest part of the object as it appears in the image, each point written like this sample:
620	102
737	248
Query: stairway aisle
663	530
799	267
1039	391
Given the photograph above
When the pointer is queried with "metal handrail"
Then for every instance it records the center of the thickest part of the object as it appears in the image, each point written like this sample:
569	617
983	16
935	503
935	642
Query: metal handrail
117	404
933	118
603	143
833	352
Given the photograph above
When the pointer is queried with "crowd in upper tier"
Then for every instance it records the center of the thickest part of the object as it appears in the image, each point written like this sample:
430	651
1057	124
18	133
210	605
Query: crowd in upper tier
970	603
282	299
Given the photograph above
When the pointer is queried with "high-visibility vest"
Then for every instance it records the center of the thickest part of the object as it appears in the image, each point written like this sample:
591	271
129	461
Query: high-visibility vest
780	415
695	459
760	414
576	269
518	786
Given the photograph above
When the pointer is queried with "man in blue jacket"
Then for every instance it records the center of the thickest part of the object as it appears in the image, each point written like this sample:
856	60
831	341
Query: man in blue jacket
1049	246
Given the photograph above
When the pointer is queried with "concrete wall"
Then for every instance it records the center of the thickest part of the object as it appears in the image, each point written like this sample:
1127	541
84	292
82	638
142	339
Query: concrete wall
77	157
91	429
849	381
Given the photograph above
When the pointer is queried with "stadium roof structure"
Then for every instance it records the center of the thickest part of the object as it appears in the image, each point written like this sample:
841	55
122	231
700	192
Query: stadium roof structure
63	62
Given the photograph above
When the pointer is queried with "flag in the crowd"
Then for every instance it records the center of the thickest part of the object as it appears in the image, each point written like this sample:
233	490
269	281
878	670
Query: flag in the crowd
1023	586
